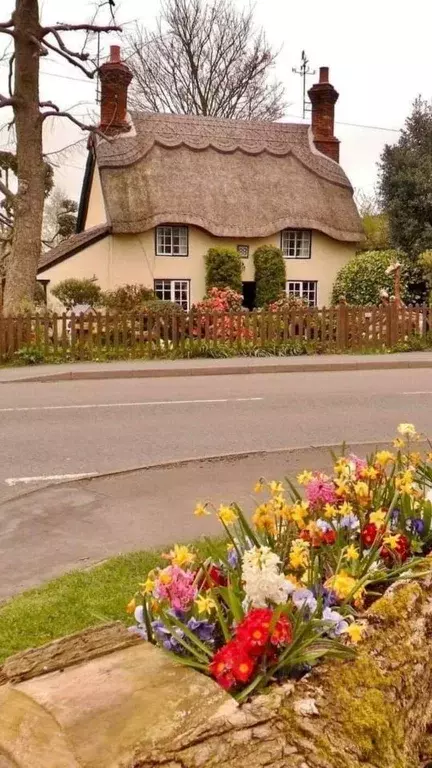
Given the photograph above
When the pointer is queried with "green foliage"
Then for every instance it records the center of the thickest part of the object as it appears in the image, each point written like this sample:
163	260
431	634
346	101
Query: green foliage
406	182
269	274
224	268
425	264
376	230
67	218
362	279
127	298
29	355
73	291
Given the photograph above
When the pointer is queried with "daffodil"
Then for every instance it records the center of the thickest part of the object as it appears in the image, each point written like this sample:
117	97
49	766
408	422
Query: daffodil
345	509
384	457
130	608
392	540
343	585
201	510
404	483
300	512
330	511
299	554
399	443
276	487
362	492
205	604
264	519
304	477
148	586
227	515
259	486
355	632
407	430
181	556
370	473
352	553
378	517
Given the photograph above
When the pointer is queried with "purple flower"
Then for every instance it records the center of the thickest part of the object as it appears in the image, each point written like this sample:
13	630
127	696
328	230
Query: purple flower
415	525
338	622
233	558
138	630
202	629
394	516
166	639
304	598
323	525
351	522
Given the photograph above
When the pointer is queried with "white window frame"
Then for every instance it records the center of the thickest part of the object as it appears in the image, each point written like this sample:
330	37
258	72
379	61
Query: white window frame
296	243
170	290
172	240
303	289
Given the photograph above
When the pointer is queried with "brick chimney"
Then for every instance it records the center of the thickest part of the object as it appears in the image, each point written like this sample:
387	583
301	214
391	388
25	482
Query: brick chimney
115	77
323	99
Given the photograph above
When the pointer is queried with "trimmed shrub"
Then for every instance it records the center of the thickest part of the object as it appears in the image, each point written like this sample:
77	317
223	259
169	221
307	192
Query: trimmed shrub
224	268
425	264
73	291
127	298
361	280
269	274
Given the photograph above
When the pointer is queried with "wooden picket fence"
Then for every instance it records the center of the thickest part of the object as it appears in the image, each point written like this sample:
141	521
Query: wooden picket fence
93	335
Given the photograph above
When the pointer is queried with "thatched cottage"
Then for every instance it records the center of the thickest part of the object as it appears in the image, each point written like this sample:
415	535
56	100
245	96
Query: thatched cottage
166	188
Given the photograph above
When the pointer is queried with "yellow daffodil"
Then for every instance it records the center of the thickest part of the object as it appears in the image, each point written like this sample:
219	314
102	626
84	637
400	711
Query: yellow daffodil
148	586
414	458
330	511
264	519
259	486
377	517
341	467
276	487
201	510
227	515
181	556
362	492
205	604
407	430
355	632
304	477
299	513
345	509
130	608
369	473
392	541
404	483
299	554
342	489
384	457
342	584
165	578
399	443
352	553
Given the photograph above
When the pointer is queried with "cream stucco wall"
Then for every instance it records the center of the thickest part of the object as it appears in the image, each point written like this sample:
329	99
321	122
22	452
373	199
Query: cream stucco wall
120	259
96	213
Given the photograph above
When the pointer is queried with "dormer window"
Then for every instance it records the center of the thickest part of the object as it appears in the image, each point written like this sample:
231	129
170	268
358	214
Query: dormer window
296	243
171	241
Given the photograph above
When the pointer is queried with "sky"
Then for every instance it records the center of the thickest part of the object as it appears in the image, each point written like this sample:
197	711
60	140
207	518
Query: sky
378	52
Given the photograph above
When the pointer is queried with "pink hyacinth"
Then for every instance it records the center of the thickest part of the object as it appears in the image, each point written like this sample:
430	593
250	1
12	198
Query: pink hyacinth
177	586
320	491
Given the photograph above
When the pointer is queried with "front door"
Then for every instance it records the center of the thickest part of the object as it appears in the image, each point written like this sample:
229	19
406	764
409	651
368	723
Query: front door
249	293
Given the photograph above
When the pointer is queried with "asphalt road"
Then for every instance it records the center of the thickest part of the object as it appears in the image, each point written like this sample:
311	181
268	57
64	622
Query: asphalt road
52	430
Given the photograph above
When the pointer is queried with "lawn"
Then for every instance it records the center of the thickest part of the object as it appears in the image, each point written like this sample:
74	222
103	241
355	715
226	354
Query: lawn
77	600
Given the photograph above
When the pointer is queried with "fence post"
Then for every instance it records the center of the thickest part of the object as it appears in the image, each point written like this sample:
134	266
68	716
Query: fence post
342	324
392	323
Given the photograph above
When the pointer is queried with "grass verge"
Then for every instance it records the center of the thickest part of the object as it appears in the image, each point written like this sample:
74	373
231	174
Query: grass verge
77	600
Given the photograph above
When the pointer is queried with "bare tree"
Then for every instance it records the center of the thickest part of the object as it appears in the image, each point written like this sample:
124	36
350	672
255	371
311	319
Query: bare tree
60	217
30	41
205	58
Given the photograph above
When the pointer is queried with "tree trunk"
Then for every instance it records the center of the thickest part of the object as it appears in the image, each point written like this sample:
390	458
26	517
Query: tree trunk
29	201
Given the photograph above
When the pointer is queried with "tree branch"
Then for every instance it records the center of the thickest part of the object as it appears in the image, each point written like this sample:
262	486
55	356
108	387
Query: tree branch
83	126
80	28
50	105
74	54
7	193
42	50
10	75
90	74
7	101
7	24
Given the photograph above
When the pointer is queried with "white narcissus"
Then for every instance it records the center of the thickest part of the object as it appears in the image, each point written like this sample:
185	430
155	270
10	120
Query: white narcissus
262	580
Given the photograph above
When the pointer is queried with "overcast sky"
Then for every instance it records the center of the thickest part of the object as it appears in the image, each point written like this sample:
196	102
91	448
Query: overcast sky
378	52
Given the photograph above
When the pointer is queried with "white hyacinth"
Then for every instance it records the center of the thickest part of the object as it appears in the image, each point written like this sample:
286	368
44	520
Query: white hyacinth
262	579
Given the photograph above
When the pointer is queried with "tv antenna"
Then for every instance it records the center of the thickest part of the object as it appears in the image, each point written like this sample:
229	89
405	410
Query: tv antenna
304	71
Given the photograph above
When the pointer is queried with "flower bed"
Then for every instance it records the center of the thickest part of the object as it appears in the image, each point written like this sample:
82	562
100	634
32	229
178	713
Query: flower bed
296	578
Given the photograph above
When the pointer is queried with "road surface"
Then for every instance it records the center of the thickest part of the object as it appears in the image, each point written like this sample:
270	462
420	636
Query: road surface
53	430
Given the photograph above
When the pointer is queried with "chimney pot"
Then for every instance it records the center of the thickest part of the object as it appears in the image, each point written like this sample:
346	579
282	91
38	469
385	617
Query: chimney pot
323	99
115	77
115	54
324	75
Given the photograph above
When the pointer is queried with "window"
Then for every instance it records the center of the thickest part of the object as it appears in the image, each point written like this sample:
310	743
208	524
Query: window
243	250
303	289
173	290
296	243
172	241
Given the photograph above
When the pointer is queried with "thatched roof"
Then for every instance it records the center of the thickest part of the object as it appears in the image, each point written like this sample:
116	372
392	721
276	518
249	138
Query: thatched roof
72	245
232	178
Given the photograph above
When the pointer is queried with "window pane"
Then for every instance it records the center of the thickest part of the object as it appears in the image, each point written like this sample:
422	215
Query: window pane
296	244
173	290
172	241
303	289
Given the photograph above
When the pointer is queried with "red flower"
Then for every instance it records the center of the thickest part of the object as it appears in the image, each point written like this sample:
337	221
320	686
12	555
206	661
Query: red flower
369	534
329	537
254	631
232	665
401	551
214	577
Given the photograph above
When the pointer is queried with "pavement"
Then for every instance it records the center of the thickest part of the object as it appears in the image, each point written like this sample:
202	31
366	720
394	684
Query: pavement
57	431
50	531
208	367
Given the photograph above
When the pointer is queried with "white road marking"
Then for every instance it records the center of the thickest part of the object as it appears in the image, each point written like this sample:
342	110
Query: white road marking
128	405
417	393
42	478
